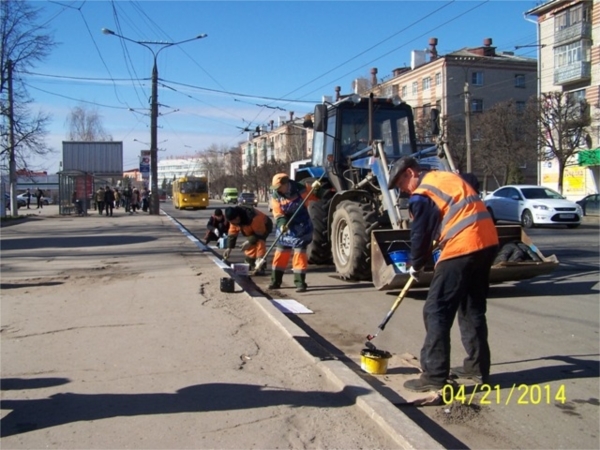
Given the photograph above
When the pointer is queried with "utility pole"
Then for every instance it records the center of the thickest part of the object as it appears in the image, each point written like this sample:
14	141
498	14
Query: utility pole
468	125
154	205
12	164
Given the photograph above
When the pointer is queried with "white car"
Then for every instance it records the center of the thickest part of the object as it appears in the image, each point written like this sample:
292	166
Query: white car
33	200
532	206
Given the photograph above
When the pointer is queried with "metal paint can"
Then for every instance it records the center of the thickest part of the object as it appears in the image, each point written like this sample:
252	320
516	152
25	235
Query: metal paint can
227	285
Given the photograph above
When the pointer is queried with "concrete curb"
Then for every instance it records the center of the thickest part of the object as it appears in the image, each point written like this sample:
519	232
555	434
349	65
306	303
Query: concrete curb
393	422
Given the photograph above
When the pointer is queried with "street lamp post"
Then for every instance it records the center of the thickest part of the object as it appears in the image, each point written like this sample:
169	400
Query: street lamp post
154	202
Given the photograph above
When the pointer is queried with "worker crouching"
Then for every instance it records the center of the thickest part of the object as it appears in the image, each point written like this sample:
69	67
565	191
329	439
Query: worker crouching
253	224
294	228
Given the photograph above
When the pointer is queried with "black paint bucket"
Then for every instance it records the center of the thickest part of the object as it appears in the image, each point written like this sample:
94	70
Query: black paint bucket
227	285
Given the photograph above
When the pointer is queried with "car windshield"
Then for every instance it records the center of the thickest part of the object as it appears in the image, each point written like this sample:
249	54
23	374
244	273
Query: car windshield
245	195
540	193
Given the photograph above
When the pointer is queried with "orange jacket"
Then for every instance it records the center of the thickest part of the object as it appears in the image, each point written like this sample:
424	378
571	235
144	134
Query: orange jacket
466	224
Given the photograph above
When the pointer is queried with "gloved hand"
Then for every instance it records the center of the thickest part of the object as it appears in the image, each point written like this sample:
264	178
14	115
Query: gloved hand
245	245
217	232
284	228
226	254
316	185
414	273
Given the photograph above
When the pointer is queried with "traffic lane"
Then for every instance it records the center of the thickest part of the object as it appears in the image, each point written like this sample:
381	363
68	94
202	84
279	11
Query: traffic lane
543	333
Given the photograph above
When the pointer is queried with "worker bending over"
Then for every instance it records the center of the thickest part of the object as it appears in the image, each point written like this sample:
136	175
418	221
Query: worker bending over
446	209
253	224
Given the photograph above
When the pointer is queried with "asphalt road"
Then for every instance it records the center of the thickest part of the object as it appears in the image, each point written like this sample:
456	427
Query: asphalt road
544	336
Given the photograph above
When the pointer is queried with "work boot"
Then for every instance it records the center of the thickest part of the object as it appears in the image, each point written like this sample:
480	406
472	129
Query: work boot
422	384
300	282
276	279
251	263
460	372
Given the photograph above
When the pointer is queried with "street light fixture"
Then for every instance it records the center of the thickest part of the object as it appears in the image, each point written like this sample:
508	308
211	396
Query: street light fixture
154	203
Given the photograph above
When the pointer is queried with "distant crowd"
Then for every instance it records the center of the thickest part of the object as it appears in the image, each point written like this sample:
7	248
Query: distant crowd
106	199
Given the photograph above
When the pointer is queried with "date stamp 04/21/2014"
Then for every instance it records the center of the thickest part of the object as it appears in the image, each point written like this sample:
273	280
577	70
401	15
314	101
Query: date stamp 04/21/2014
520	394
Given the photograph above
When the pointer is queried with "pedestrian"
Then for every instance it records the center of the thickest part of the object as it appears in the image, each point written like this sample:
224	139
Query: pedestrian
109	201
296	234
76	204
253	224
100	200
127	194
39	195
135	200
117	198
28	198
445	209
144	199
217	226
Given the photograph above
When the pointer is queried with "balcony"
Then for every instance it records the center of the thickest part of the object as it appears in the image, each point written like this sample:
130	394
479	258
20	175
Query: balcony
578	71
581	30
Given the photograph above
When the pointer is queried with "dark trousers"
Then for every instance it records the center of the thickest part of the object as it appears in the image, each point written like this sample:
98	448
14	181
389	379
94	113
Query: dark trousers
458	285
109	208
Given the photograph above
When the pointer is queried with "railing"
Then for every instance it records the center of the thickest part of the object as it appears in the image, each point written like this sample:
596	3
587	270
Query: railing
581	30
581	70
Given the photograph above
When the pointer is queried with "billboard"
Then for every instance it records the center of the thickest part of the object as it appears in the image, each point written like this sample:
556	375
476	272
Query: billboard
145	164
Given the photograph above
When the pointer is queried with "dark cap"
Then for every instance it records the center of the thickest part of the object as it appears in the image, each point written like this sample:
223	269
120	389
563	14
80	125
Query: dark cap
231	213
218	212
399	167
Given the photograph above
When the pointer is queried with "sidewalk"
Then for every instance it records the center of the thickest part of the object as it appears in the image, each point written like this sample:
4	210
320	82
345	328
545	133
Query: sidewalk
115	335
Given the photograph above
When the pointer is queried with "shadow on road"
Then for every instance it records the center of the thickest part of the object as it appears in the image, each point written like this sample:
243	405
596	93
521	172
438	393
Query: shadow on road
60	409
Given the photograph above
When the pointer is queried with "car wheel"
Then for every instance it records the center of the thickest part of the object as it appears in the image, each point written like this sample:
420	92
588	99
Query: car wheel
492	214
573	225
527	219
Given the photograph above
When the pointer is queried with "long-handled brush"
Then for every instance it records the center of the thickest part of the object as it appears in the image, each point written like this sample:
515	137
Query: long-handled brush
388	316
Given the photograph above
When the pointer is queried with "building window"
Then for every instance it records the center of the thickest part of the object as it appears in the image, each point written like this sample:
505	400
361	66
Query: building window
404	91
520	106
438	79
575	52
438	105
415	88
426	111
477	78
520	80
426	83
577	14
395	89
476	105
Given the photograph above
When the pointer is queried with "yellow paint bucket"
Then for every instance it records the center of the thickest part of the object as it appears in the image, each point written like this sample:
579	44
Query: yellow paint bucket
374	361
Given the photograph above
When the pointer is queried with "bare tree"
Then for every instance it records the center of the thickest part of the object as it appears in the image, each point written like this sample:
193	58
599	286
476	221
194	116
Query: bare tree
24	43
563	128
502	142
85	124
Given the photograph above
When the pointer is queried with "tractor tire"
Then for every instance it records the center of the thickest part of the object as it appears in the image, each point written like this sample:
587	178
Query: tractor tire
319	250
351	240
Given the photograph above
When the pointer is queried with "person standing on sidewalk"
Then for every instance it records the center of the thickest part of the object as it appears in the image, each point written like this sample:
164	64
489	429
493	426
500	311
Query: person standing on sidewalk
447	210
39	195
100	200
28	197
109	201
286	201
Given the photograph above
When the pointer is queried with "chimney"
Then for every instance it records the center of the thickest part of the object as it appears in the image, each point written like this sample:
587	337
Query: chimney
337	93
374	77
432	49
291	116
488	50
272	122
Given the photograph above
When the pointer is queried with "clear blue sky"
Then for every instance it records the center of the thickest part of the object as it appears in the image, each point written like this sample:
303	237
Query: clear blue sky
257	56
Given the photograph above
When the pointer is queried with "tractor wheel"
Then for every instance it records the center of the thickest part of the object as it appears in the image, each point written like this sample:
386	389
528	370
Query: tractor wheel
319	250
351	240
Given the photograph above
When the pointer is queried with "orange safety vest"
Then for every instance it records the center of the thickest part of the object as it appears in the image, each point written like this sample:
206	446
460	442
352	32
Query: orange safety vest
467	226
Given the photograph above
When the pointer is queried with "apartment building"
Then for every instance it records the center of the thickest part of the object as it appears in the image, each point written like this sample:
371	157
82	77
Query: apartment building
482	74
569	55
176	167
287	141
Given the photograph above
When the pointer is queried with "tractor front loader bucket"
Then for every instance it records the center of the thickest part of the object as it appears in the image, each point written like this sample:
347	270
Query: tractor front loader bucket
389	275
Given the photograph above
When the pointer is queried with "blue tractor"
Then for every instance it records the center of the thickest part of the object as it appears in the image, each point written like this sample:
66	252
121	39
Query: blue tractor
359	223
